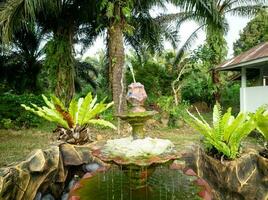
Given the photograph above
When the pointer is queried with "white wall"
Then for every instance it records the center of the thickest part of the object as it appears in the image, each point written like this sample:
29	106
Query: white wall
252	98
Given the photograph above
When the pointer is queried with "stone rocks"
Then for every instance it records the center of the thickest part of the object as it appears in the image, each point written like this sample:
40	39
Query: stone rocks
44	170
45	174
75	155
243	178
65	196
37	162
92	167
38	196
48	197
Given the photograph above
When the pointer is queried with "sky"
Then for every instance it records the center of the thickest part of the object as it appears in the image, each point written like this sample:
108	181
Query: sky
236	24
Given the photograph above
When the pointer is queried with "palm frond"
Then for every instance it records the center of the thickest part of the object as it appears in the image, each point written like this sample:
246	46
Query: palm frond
247	10
187	44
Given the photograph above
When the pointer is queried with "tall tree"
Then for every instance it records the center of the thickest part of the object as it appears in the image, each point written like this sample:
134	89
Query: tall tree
253	34
64	19
129	20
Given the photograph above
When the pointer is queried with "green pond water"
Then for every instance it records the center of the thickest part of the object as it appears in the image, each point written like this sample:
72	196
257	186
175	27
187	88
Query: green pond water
163	184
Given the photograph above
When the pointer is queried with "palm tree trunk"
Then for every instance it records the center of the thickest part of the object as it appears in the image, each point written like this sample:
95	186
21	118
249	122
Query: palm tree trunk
116	57
217	43
61	57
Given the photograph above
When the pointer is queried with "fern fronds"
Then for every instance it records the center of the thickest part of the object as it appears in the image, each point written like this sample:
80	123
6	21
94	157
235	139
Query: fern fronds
79	113
226	132
102	123
261	118
217	121
84	108
66	116
73	109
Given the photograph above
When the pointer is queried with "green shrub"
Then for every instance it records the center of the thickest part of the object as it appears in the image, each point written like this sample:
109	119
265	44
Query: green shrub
223	138
261	118
154	76
7	123
167	105
231	95
80	112
73	122
198	87
10	109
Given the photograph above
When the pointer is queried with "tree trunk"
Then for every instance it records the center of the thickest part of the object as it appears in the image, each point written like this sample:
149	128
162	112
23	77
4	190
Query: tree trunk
217	43
60	56
216	81
116	66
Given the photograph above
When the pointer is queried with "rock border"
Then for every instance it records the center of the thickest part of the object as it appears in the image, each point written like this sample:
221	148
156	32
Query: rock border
44	170
240	179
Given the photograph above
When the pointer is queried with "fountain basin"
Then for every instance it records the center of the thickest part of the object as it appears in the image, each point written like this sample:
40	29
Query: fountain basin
113	184
137	158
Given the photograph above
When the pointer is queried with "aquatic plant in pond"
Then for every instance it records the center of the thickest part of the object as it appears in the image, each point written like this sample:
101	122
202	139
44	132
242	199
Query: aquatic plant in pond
73	121
224	137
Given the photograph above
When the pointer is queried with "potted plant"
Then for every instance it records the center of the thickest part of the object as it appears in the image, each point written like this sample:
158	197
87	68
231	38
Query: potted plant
234	174
73	122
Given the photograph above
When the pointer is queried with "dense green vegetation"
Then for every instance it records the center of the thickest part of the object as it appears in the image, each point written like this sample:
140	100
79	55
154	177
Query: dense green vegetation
253	34
38	55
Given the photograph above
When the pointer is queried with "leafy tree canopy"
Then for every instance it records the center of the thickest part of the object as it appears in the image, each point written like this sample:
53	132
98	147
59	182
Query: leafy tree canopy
253	34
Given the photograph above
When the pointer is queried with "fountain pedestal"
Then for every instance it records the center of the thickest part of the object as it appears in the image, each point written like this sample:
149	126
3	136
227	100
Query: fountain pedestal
137	121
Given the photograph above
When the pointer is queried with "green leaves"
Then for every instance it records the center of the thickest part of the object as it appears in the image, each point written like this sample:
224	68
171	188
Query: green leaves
261	118
80	113
110	10
226	132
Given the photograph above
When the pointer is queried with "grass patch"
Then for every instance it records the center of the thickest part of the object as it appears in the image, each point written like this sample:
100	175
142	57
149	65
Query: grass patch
15	145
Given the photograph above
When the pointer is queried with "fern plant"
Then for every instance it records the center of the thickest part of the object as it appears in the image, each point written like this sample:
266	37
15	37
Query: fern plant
261	118
74	121
226	132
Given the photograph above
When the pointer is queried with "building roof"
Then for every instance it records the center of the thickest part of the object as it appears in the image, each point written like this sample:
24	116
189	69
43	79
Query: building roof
253	58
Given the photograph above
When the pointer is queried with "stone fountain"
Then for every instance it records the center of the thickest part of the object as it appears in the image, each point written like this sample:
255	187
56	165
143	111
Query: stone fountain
137	155
139	167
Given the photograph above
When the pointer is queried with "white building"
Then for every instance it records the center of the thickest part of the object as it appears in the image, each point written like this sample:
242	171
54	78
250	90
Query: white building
253	62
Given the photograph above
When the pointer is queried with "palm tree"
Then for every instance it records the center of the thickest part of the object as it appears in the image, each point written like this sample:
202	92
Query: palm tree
132	21
217	12
86	73
24	59
215	35
100	63
65	19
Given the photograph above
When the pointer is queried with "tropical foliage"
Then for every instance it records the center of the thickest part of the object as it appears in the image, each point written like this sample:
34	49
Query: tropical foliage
12	115
261	117
75	120
253	34
21	62
223	138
